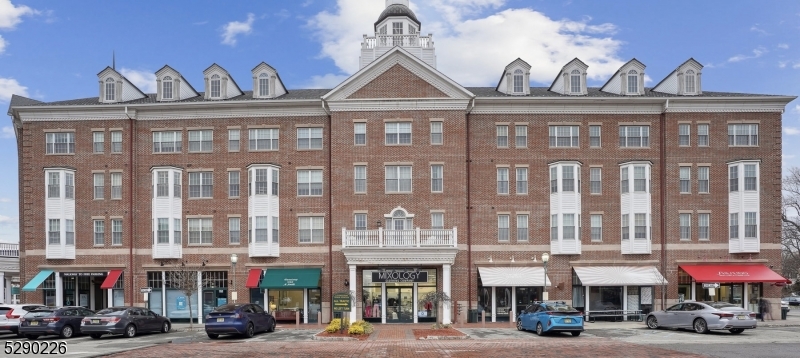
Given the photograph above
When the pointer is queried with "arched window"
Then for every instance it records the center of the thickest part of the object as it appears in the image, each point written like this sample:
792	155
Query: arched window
518	81
110	89
689	80
633	81
575	81
215	93
400	220
166	88
263	85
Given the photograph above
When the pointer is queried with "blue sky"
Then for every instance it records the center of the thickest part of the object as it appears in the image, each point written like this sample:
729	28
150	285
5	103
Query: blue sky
52	50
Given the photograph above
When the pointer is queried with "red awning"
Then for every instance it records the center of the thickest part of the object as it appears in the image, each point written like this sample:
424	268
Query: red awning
733	273
111	279
253	277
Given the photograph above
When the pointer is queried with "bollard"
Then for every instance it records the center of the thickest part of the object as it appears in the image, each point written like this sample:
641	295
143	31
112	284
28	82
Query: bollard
297	318
511	318
483	318
319	318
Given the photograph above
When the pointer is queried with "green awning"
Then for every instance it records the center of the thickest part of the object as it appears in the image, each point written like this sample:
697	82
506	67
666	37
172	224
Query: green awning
290	278
37	280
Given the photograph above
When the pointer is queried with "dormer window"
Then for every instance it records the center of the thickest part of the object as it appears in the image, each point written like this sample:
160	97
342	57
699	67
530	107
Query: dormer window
166	88
689	81
518	81
263	85
110	89
215	86
575	81
633	81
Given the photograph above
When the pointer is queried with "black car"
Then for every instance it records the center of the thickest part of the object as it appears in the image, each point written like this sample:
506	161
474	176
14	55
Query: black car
793	300
124	320
64	322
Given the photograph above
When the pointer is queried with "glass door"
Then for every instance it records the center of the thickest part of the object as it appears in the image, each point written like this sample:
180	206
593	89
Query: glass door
399	304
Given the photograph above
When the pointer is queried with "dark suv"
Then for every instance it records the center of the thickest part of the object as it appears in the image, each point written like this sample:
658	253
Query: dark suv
64	322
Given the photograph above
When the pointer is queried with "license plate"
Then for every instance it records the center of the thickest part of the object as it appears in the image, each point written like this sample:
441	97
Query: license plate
95	321
34	323
567	320
741	317
220	320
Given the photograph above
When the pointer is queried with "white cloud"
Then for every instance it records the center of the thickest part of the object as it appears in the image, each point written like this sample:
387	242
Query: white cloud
235	28
796	65
755	28
5	220
2	44
797	108
7	132
758	52
789	156
783	46
145	80
5	200
326	81
473	49
9	86
782	64
791	130
11	15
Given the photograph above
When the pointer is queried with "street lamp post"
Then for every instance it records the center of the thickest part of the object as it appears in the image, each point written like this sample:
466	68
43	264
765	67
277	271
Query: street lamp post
234	259
545	258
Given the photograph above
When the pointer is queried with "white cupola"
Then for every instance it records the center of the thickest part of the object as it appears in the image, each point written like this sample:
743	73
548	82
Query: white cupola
397	25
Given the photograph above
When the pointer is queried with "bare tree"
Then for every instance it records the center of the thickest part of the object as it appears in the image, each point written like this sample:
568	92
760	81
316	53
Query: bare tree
435	298
184	278
790	217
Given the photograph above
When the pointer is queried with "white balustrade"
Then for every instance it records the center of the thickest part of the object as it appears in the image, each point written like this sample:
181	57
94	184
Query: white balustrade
399	238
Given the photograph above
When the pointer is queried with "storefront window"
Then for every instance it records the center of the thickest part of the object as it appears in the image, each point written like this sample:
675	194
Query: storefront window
257	297
484	300
727	292
684	286
118	292
753	295
372	298
578	292
154	298
605	298
215	290
286	303
49	290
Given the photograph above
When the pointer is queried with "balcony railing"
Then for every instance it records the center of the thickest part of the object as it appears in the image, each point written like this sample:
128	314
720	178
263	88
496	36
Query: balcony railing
400	238
397	40
9	250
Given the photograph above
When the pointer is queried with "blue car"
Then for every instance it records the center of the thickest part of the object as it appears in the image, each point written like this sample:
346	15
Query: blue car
238	318
546	317
63	322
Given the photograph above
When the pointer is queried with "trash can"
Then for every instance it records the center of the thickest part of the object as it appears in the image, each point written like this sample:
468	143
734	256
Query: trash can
784	312
472	317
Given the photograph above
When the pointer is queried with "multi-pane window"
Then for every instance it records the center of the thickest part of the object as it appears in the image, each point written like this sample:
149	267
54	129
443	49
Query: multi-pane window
167	142
177	236
54	231
233	183
162	183
634	136
518	81
116	185
116	141
398	133
683	134
703	226
60	143
686	226
98	141
575	81
597	227
201	141
69	186
398	179
360	221
263	85
262	181
564	136
502	180
702	179
309	138
522	181
689	84
234	137
623	183
594	136
569	226
640	229
360	133
397	28
625	227
595	180
110	89
116	231
360	179
436	133
702	135
734	226
99	185
521	136
522	227
639	179
633	81
750	225
262	231
234	230
166	88
53	185
99	232
215	86
275	182
275	229
502	227
263	139
437	221
502	136
750	182
437	178
554	179
554	227
733	178
309	182
742	134
69	232
200	231
567	178
201	184
685	177
162	230
311	229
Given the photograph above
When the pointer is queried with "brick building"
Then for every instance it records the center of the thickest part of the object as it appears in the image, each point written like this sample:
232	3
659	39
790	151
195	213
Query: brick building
400	182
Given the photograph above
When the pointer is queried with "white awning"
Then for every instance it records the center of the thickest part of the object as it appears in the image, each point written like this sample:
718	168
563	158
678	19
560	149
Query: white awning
512	276
620	276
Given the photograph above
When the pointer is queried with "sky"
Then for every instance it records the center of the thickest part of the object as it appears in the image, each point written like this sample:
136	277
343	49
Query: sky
53	50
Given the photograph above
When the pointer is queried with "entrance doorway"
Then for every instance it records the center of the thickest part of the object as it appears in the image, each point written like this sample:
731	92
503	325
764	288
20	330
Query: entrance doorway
399	304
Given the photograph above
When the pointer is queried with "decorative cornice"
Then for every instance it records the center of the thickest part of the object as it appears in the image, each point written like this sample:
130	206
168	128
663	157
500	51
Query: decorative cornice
398	104
614	263
400	256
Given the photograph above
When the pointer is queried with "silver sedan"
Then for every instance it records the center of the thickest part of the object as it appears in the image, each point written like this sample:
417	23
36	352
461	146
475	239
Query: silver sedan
703	317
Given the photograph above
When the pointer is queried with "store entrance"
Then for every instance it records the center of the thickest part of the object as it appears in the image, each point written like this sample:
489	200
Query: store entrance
400	304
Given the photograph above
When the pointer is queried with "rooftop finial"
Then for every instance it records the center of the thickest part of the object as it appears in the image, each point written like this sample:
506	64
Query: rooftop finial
401	2
113	60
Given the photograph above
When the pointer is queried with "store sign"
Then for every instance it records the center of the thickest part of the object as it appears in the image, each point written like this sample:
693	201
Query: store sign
84	274
400	275
341	302
733	274
710	285
289	282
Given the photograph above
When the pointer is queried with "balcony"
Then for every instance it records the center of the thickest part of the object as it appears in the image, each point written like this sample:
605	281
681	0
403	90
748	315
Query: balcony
399	238
397	40
9	250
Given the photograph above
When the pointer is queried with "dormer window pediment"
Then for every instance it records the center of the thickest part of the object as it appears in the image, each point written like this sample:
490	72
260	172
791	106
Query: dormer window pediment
683	81
171	86
515	80
219	84
571	80
266	82
627	81
115	88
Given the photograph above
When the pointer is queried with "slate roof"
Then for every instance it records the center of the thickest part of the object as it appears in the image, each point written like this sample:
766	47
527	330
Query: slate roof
397	10
595	92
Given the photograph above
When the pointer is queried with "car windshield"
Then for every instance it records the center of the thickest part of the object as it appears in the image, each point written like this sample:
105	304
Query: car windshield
4	310
40	313
560	307
227	308
112	311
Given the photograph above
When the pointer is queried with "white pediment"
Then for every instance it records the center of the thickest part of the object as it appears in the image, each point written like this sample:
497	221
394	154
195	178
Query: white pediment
275	87
506	83
561	84
124	90
617	83
182	89
674	83
229	88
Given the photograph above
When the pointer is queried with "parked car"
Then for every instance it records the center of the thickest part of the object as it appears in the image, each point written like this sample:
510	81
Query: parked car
127	321
238	318
10	315
546	317
64	322
703	317
792	300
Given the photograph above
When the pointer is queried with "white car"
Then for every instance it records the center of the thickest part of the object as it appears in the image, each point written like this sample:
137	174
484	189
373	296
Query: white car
10	315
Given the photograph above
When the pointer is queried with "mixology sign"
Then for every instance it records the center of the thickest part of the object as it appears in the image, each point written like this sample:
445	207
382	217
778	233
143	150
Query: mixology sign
400	275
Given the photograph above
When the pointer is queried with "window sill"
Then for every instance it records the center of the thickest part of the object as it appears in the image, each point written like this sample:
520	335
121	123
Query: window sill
233	197
233	151
359	145
570	147
436	144
704	193
685	193
98	153
503	194
116	245
595	193
98	245
117	199
398	145
159	153
311	243
262	150
199	244
98	199
202	152
591	147
60	154
742	146
437	192
503	147
634	147
234	243
116	153
704	240
308	149
309	196
522	194
203	198
398	192
360	193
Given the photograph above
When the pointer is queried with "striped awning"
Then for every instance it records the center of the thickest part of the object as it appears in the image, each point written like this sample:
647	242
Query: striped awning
620	276
512	276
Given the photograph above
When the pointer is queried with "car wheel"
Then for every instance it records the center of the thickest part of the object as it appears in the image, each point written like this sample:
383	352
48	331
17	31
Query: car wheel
95	335
66	332
212	335
700	326
32	337
736	330
130	331
165	327
575	334
250	331
271	327
539	329
519	325
652	322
